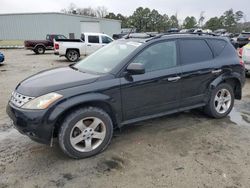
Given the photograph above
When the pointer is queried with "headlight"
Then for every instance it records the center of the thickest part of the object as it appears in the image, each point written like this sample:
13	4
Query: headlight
42	102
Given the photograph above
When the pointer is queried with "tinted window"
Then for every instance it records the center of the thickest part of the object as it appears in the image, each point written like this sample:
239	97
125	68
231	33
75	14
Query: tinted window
217	45
106	40
60	37
158	56
93	39
245	35
194	51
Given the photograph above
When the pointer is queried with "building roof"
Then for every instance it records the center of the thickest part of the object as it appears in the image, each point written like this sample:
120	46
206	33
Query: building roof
59	13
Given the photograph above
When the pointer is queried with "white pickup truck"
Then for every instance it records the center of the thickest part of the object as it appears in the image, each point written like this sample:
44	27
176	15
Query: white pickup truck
72	49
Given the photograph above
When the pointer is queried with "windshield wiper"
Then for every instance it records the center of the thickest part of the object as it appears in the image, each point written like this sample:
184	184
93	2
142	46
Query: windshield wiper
74	68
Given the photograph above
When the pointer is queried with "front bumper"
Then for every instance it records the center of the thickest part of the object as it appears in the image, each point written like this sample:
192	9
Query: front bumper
31	123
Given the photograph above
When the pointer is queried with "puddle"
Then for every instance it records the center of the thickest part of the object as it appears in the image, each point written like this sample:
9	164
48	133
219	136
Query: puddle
240	118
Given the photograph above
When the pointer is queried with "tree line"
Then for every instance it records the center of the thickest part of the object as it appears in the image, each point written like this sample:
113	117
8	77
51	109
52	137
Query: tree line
146	20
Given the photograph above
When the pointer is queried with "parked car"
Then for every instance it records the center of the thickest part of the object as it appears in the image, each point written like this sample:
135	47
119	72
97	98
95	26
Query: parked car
125	82
1	58
39	46
118	36
243	39
73	49
246	57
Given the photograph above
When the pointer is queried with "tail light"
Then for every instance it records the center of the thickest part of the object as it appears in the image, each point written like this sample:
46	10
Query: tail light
240	52
56	46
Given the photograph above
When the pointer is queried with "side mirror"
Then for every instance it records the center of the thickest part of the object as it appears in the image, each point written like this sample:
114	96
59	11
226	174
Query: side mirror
136	68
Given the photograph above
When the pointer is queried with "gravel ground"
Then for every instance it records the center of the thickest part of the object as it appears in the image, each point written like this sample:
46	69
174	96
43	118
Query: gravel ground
181	150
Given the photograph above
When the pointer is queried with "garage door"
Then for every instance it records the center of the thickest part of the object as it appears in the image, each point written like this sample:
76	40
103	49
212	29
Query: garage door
90	27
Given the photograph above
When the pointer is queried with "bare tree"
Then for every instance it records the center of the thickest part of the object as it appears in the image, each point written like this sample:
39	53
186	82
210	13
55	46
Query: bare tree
101	12
201	18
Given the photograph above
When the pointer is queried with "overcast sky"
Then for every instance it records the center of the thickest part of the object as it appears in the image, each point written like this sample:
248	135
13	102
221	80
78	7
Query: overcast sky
127	7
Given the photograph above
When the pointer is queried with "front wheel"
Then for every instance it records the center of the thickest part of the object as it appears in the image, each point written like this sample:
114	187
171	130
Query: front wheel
221	101
85	132
72	55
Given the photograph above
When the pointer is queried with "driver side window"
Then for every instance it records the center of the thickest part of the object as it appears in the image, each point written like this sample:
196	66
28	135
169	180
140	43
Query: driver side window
158	56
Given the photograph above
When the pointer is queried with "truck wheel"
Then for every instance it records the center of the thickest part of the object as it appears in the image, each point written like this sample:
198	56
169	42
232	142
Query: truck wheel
85	132
39	50
221	101
72	55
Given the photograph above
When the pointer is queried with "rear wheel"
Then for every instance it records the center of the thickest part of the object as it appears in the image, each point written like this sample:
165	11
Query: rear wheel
72	55
85	132
221	101
39	50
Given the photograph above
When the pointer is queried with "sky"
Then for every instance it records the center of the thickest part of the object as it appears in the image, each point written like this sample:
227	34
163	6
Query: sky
183	8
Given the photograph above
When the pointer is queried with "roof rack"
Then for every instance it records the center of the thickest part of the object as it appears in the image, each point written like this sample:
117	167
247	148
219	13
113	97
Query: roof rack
185	33
140	35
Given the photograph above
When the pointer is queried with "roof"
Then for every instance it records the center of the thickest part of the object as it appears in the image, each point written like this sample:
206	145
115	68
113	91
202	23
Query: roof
58	13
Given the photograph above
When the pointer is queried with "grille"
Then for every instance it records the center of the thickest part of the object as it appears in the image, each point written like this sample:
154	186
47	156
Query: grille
19	100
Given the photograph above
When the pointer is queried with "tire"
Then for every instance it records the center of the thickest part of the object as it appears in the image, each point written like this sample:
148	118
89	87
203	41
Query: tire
220	105
79	137
72	55
39	50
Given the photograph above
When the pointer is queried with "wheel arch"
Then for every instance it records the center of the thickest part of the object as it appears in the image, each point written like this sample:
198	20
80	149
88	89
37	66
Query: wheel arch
232	79
73	49
99	101
40	44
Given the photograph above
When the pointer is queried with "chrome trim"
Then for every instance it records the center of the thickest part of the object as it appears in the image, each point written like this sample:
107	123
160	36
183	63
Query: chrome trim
19	100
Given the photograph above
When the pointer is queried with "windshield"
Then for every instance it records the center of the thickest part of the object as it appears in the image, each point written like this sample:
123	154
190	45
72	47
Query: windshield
108	57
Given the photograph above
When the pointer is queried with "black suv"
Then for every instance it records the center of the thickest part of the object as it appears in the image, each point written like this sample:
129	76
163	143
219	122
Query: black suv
127	81
243	39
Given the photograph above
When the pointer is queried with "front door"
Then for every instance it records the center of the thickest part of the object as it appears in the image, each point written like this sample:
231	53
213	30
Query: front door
157	91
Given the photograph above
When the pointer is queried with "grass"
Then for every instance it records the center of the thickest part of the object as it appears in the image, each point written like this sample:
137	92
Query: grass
11	42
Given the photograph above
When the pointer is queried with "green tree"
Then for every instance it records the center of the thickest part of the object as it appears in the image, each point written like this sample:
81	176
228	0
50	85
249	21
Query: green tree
174	23
214	23
189	22
111	15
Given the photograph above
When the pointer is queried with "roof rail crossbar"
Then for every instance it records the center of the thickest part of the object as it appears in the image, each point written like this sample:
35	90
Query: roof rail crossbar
185	33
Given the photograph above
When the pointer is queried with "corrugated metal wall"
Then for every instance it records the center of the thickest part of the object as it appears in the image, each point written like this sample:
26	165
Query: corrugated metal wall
36	26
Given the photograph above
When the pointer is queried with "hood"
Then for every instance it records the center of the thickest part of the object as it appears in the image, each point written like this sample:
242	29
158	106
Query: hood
54	80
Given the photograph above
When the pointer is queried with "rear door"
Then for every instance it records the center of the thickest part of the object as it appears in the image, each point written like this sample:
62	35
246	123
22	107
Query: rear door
197	64
93	44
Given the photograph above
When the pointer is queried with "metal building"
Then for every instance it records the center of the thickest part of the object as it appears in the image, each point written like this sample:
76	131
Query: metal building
36	25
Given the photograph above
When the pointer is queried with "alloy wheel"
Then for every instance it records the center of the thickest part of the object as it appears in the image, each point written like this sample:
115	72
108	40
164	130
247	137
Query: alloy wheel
222	101
72	55
87	134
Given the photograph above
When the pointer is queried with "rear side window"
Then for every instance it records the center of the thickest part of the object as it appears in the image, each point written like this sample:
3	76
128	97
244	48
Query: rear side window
217	46
93	39
194	51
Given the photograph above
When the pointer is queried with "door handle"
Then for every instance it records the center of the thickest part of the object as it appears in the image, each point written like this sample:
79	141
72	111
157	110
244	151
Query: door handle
174	79
89	45
216	71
